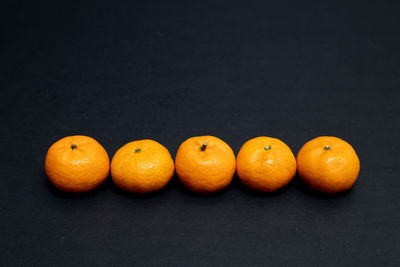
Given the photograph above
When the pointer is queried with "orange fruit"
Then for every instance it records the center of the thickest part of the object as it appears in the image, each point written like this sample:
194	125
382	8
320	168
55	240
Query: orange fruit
328	164
142	166
265	164
205	164
77	164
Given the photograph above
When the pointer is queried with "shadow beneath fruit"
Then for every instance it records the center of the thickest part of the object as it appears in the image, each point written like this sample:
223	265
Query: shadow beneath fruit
250	191
59	193
183	189
302	186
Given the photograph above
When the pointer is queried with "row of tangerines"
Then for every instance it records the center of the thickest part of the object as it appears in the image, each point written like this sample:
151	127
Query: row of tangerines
204	164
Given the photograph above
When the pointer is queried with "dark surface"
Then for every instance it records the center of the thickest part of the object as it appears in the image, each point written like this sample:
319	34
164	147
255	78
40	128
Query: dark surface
171	70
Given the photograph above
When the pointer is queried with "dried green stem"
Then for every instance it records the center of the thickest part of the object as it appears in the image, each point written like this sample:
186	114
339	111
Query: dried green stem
327	148
204	146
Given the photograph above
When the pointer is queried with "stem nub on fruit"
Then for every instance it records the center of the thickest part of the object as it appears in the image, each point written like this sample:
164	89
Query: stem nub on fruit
267	147
73	146
327	148
204	146
137	150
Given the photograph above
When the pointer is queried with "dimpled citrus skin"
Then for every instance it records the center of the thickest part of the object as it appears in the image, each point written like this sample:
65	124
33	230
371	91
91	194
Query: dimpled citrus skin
78	169
142	166
264	169
205	171
329	170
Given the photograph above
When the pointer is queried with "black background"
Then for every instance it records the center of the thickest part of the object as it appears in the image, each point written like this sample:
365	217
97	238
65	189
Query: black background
170	70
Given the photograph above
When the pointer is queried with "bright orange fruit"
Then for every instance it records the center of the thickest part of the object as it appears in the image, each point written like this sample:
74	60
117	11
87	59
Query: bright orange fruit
265	164
328	164
77	164
142	166
205	164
